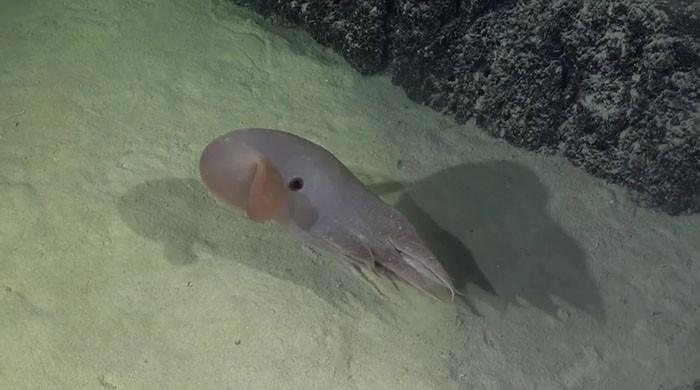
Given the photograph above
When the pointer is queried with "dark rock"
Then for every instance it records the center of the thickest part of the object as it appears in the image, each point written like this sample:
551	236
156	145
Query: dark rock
612	85
635	120
531	78
442	61
356	29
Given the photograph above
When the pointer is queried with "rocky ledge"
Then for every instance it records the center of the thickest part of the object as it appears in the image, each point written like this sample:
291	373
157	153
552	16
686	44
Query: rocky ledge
612	85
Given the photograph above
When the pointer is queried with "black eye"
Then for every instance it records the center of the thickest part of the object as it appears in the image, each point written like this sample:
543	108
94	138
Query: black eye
296	184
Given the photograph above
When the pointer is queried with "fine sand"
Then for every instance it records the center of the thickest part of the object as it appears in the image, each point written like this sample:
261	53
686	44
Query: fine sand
119	271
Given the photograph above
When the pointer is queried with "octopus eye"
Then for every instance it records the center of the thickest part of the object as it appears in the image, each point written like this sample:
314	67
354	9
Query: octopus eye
296	184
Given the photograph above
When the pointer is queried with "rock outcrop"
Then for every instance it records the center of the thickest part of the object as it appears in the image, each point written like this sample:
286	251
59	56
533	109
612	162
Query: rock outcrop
612	85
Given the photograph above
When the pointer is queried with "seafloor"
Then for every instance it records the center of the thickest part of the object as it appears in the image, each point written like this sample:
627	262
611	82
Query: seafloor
119	271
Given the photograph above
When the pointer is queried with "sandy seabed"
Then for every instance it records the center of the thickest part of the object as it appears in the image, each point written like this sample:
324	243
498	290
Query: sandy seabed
118	270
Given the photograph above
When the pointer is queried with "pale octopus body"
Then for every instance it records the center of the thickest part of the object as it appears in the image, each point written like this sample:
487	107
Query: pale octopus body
275	175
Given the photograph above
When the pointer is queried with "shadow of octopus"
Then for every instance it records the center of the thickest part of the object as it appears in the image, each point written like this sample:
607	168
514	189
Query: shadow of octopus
497	210
181	215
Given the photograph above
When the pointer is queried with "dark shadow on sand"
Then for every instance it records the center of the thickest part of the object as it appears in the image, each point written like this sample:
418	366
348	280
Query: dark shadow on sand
488	224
